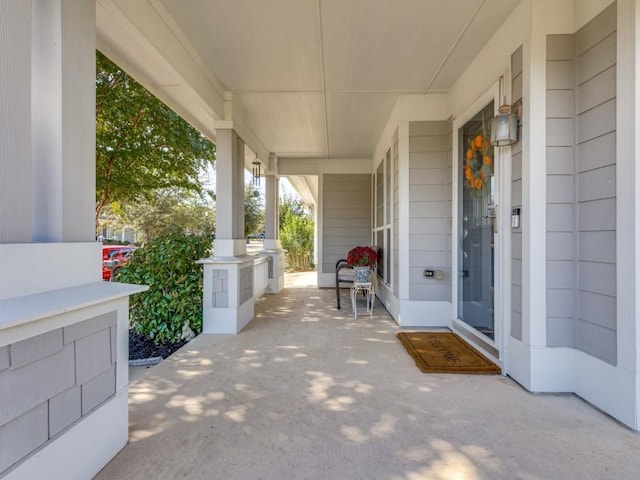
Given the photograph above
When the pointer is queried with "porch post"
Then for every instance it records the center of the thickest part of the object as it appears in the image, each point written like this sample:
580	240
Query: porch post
231	277
272	246
65	396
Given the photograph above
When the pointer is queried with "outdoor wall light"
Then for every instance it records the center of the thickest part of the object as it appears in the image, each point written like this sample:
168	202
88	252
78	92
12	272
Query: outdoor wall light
504	127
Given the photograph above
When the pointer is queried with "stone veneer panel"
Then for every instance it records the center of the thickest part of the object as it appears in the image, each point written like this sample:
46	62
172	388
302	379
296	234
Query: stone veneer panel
23	435
49	381
33	348
4	357
64	409
246	283
220	288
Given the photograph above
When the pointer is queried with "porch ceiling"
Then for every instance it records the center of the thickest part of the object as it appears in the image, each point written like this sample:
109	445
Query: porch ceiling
310	78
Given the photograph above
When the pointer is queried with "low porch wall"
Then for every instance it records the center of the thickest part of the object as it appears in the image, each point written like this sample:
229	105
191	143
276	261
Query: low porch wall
63	380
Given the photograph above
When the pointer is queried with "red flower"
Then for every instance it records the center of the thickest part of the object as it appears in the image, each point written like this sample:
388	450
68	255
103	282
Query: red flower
362	257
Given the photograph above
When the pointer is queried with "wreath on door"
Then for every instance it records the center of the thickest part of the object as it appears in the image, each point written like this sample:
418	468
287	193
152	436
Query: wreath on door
478	165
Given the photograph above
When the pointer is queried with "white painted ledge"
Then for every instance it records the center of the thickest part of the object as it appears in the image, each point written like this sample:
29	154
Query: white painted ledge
17	311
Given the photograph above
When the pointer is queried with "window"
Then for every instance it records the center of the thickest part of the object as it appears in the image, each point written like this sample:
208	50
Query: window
383	215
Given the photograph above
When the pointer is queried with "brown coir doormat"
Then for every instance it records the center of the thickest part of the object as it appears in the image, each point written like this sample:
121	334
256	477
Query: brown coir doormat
444	352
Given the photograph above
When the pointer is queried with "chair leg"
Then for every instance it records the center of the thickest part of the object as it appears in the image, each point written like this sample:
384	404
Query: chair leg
338	293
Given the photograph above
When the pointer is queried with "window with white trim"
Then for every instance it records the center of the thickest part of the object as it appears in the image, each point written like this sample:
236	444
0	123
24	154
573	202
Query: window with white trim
382	182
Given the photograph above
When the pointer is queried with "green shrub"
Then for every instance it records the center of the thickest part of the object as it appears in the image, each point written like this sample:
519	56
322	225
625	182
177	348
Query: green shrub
167	265
296	236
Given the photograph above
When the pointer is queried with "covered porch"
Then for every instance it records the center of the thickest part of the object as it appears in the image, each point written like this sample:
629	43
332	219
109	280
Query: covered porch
306	391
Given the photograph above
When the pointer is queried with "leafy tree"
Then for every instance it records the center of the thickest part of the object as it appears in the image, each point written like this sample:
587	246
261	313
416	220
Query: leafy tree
296	234
141	144
253	212
169	210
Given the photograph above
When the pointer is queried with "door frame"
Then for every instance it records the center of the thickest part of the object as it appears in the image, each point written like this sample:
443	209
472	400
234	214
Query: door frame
496	348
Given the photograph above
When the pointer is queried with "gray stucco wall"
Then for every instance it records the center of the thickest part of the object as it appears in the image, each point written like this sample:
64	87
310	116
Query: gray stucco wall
48	382
516	202
346	216
429	209
581	188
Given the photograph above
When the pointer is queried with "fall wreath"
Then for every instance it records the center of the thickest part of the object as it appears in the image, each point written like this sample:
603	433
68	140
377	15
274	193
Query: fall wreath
478	164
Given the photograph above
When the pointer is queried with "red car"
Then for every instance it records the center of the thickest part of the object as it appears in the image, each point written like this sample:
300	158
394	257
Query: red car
114	257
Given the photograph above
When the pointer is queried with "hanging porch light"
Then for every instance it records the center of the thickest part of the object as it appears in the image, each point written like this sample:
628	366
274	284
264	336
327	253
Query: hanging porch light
504	127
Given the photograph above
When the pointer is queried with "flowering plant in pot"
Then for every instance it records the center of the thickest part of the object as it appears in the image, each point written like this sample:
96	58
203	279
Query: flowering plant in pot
362	259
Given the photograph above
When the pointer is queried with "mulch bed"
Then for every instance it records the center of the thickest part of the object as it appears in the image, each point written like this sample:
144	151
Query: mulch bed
143	347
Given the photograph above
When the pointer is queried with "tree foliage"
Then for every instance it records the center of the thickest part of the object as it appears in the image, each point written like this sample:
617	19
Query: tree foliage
141	144
296	234
253	212
169	210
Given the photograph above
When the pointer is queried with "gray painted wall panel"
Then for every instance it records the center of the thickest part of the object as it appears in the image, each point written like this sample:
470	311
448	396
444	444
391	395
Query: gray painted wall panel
597	309
561	331
597	184
559	75
560	47
516	193
427	176
560	217
396	217
560	302
560	161
597	215
596	277
428	225
596	246
597	59
597	341
64	409
597	90
561	274
560	246
429	207
597	122
428	143
345	227
516	65
593	32
559	132
581	270
516	201
596	153
560	189
560	104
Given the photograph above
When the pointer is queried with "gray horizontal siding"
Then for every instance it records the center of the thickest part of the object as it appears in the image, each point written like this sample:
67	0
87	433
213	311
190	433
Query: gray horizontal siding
429	209
346	216
581	188
516	202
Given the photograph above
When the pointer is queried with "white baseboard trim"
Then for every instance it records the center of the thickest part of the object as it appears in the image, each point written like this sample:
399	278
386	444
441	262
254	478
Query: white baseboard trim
560	369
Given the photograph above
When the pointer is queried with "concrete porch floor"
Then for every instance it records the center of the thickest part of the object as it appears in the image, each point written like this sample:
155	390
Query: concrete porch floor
307	392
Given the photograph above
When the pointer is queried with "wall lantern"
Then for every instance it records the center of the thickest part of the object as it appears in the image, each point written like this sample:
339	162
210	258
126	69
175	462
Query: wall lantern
504	127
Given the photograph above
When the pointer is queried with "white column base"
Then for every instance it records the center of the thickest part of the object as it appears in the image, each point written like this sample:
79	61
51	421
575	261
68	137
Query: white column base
276	268
228	305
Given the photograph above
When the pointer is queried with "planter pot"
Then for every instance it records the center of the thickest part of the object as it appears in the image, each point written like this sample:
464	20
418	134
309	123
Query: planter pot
362	274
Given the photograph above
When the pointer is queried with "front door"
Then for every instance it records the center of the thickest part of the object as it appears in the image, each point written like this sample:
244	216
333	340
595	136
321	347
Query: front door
477	226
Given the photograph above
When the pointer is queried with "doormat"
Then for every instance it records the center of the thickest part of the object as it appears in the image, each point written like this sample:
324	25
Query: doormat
445	352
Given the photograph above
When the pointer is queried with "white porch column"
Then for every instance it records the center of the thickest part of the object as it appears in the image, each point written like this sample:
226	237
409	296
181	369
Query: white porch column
232	279
229	241
65	395
272	246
